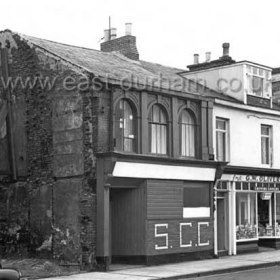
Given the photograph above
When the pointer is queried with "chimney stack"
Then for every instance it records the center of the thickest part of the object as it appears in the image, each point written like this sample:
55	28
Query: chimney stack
128	27
125	45
225	49
196	58
208	56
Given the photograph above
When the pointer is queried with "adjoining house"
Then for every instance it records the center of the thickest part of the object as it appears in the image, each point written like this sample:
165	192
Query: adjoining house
103	157
246	135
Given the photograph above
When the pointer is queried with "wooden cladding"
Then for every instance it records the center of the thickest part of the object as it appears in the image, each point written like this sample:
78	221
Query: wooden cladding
164	200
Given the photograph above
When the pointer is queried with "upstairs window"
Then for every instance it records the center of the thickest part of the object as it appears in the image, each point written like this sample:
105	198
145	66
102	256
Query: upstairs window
188	134
222	139
124	127
266	144
158	130
258	81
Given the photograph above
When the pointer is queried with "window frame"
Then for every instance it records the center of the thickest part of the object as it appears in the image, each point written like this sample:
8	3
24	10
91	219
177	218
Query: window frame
270	143
261	73
227	138
187	125
119	144
152	123
201	209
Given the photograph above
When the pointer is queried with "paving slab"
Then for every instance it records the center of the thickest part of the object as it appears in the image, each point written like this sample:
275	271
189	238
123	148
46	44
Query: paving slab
184	269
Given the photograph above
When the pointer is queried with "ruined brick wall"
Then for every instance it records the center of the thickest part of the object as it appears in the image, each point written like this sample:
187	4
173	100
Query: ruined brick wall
59	206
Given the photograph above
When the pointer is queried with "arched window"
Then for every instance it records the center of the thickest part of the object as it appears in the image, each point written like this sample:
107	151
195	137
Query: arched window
188	134
158	130
124	127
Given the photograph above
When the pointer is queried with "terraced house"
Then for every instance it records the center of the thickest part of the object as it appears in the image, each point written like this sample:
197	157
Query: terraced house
247	133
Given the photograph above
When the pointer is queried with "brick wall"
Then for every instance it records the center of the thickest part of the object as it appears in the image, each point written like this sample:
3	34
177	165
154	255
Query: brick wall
126	45
60	128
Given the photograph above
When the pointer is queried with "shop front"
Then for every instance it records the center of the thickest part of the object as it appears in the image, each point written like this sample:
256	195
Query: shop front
249	215
153	211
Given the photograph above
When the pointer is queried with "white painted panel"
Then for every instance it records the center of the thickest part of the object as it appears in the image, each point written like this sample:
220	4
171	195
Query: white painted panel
196	212
158	171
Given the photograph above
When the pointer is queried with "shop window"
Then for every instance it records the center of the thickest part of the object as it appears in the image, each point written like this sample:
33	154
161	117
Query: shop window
222	139
158	130
246	225
196	200
266	144
187	134
125	127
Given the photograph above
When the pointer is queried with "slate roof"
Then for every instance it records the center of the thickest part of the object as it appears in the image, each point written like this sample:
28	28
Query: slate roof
116	67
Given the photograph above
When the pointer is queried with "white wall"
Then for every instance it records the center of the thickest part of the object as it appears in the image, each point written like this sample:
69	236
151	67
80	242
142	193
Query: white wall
227	79
245	135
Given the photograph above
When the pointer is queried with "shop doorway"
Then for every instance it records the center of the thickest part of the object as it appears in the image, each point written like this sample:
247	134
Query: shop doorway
265	213
221	224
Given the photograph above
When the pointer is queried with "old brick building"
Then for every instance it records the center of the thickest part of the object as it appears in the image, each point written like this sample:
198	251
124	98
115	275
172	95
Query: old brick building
103	157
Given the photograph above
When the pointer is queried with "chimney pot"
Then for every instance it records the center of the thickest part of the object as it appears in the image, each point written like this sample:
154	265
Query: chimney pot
226	49
113	33
128	27
196	58
208	56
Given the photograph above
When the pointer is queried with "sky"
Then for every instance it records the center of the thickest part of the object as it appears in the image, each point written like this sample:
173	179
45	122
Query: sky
167	32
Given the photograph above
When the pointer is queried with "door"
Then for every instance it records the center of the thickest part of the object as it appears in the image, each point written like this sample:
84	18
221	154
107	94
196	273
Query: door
221	223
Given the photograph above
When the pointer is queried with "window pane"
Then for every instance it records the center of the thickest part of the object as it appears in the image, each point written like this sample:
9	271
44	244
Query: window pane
187	129
265	130
221	139
257	85
158	130
196	195
221	145
124	127
265	144
221	124
265	150
246	216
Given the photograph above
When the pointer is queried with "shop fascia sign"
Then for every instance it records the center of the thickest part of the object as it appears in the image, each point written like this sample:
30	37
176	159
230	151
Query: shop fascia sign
258	179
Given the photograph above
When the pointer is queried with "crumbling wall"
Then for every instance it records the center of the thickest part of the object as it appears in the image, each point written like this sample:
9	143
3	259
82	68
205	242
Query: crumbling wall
58	204
14	220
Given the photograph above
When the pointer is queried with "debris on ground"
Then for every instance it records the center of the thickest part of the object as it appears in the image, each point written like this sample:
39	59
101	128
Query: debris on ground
39	268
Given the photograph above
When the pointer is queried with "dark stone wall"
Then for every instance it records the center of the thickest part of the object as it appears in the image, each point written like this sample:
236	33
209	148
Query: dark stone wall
52	201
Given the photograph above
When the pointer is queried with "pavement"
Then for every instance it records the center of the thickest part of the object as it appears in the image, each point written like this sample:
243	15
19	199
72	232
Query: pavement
184	270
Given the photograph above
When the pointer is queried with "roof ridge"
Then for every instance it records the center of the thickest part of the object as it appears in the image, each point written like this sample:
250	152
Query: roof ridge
51	41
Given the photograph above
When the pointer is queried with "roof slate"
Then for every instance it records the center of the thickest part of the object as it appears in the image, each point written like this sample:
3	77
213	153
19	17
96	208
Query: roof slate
115	66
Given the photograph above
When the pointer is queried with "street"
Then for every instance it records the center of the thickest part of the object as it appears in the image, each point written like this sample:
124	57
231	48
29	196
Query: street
272	273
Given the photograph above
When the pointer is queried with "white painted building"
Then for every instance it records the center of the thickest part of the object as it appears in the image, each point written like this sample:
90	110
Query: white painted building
246	136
